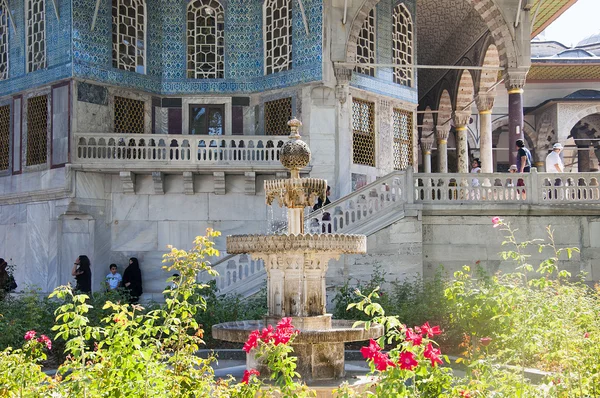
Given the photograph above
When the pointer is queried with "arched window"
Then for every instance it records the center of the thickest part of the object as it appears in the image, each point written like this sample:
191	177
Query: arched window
365	46
35	17
205	27
277	22
402	36
3	40
129	35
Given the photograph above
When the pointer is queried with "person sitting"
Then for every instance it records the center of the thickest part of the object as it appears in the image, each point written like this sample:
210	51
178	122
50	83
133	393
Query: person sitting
113	279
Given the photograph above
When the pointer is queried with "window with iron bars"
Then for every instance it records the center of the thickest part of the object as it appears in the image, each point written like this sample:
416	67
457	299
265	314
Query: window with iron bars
402	127
4	137
363	132
129	35
129	116
365	46
277	35
35	19
205	39
37	130
402	36
277	114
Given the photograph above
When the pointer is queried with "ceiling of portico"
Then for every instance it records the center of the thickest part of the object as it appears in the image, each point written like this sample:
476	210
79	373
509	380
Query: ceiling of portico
445	31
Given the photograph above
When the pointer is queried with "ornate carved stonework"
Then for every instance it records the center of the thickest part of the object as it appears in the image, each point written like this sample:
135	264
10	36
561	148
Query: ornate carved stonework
295	192
514	78
327	243
442	132
461	118
485	102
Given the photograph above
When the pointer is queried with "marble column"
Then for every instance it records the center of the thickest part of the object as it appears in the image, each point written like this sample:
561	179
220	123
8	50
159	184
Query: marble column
461	121
344	131
583	159
514	80
426	145
441	133
485	103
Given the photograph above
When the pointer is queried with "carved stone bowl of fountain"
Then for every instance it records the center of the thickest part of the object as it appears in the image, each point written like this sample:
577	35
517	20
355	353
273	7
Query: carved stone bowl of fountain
296	265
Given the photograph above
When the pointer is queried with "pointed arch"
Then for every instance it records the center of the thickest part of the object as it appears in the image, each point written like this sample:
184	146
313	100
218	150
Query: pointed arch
465	92
444	108
489	77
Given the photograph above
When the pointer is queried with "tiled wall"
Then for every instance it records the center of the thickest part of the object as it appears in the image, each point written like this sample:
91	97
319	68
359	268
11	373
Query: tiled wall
383	82
166	51
58	48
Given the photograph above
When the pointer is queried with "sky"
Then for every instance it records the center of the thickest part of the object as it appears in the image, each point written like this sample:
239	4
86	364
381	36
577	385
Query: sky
581	20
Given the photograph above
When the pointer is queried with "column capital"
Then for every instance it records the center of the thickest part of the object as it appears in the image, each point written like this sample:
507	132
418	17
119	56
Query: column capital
514	79
342	74
442	133
461	119
426	144
485	102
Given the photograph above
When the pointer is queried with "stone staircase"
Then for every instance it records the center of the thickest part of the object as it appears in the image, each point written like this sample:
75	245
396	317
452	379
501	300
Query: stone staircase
365	211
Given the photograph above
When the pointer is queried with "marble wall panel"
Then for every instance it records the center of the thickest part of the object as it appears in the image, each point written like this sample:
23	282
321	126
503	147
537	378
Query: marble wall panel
178	207
13	214
236	207
92	118
129	207
134	236
72	246
37	243
89	185
14	251
180	234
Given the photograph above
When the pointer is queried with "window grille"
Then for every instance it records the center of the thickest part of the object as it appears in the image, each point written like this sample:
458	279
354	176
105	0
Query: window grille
37	130
363	132
129	35
129	116
403	139
277	114
278	35
3	40
4	136
365	46
205	43
36	34
402	36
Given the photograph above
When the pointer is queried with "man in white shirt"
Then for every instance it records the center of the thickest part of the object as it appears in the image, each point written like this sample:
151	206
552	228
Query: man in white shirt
554	163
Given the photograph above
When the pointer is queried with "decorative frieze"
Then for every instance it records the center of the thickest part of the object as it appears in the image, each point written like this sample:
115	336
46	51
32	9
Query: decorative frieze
219	180
127	181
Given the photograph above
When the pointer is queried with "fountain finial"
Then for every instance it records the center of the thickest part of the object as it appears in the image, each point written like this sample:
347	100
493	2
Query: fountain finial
295	154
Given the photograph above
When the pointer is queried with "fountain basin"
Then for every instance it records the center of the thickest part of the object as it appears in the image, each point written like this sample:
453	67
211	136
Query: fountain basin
320	353
305	243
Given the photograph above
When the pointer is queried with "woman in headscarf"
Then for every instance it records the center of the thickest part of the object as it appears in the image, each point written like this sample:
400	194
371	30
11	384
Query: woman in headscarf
83	274
132	280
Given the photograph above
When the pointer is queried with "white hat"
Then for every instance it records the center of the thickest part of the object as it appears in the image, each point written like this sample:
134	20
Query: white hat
513	167
558	145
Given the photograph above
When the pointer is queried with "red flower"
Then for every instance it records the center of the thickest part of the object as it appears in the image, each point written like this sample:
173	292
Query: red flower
267	334
285	323
30	335
382	361
416	338
370	351
496	221
407	361
248	374
485	341
433	354
464	394
429	331
46	341
586	335
252	341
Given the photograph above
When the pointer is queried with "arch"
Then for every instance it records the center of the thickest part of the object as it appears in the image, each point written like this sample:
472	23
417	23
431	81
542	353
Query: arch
277	39
488	78
129	42
403	44
465	92
444	108
427	124
487	9
529	133
205	39
572	121
366	46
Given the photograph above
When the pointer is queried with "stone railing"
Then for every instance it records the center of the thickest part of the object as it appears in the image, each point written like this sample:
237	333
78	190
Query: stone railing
176	150
363	211
527	188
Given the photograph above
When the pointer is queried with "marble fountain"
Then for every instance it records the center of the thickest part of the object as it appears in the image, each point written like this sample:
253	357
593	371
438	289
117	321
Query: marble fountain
296	265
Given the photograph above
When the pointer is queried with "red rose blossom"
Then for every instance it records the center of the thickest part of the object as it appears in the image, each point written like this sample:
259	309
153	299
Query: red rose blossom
46	341
371	350
496	221
415	338
30	335
248	374
267	334
382	361
433	354
252	341
429	331
407	361
464	394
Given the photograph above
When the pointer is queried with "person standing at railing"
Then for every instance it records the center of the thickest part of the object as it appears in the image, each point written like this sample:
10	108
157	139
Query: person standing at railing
523	157
320	203
554	164
475	169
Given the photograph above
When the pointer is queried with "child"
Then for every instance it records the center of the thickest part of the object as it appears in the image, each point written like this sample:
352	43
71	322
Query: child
113	279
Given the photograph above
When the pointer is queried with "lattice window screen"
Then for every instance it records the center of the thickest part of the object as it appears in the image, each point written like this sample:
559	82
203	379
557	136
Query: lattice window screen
129	35
402	36
36	34
363	132
277	114
205	40
403	139
4	137
37	130
278	35
3	40
129	116
365	46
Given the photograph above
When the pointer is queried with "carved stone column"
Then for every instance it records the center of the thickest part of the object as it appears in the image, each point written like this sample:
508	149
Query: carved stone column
584	162
442	133
461	121
485	103
344	131
514	80
426	145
